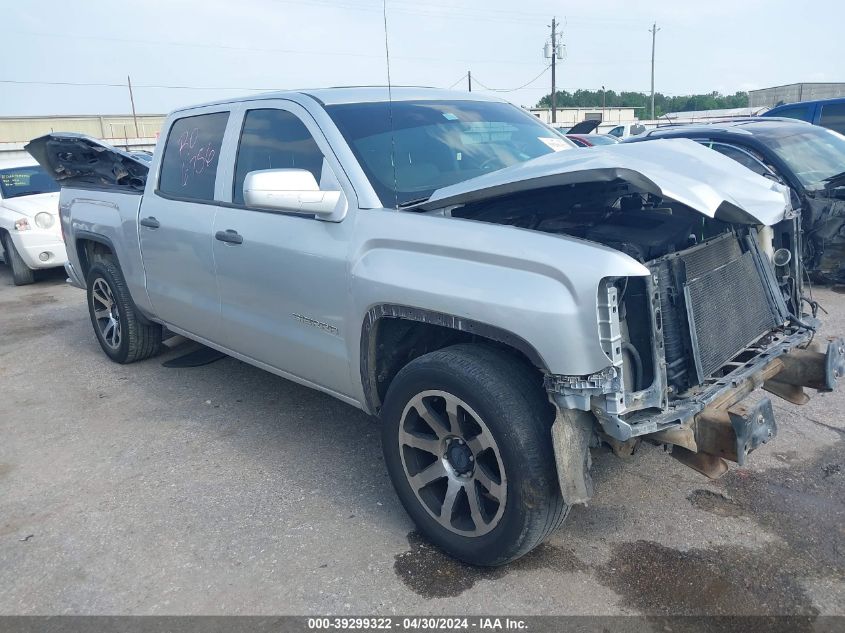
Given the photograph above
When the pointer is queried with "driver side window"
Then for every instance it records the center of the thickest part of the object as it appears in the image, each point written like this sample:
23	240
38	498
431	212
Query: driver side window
274	139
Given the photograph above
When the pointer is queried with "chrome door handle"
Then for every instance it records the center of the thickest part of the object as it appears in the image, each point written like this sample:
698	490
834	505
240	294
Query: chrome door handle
230	236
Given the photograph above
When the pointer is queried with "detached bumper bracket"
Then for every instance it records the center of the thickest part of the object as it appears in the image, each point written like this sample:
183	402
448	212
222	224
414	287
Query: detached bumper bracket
834	363
754	424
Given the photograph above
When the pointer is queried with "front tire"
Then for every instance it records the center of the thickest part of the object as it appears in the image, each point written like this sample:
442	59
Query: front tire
467	442
22	274
124	334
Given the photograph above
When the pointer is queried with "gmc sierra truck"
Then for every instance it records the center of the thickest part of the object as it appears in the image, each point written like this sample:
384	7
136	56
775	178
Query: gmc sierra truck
500	300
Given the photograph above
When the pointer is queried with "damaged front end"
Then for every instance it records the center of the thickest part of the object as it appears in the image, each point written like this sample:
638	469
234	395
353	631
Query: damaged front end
688	344
720	313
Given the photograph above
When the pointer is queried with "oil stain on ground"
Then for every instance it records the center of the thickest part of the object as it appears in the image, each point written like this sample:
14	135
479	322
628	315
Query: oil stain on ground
803	504
432	574
716	502
722	580
36	330
27	302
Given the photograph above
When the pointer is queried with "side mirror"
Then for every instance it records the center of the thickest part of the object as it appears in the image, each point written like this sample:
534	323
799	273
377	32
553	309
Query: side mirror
295	191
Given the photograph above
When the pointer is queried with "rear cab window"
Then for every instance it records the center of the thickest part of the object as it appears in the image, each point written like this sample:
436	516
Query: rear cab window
191	156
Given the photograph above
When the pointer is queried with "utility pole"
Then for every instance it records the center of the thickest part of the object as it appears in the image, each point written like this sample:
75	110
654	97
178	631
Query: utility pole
554	88
653	30
603	102
132	100
554	49
469	80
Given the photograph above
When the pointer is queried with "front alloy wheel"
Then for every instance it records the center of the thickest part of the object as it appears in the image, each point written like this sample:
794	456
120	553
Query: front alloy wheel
466	435
452	463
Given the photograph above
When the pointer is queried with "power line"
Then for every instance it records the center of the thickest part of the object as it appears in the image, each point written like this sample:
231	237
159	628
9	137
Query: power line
464	76
525	85
460	12
274	88
290	51
110	85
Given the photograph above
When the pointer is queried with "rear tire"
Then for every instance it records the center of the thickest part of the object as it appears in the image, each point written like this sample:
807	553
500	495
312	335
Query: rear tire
22	274
124	334
467	442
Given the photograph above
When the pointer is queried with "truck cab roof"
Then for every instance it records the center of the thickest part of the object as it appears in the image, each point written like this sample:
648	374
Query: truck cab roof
358	94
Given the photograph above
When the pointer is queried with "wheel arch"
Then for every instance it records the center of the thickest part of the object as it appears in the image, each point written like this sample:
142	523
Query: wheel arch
392	335
88	246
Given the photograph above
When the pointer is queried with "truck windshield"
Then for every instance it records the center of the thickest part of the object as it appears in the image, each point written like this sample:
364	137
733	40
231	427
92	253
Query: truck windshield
813	154
434	144
25	181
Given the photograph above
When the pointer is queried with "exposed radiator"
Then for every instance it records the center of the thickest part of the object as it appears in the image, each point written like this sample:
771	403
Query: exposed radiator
728	309
716	304
700	260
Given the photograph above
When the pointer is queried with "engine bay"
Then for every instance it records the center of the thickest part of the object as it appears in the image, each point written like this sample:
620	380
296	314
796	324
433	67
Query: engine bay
714	289
615	214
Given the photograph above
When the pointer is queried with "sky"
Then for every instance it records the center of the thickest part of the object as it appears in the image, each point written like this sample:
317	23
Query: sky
182	52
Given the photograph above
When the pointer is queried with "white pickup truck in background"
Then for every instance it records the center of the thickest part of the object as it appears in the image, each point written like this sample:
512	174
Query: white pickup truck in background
30	231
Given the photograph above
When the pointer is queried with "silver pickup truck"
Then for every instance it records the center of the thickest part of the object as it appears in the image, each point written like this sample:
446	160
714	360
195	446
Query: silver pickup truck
502	301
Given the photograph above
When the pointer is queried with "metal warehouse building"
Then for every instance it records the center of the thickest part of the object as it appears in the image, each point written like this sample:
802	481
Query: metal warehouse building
793	93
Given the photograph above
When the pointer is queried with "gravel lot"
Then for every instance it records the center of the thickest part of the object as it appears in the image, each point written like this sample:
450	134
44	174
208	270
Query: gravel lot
223	489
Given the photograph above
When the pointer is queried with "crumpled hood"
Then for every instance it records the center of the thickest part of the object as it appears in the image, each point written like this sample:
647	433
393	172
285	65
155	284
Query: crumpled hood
77	160
680	169
36	203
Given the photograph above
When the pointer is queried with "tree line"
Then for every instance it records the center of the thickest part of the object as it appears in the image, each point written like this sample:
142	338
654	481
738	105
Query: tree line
662	103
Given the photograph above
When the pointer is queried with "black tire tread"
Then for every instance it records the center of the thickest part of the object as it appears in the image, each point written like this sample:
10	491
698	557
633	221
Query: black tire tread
22	274
520	396
534	396
531	388
145	337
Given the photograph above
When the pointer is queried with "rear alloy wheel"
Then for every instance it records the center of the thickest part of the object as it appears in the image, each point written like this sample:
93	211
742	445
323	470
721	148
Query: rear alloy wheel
466	435
22	274
106	313
124	334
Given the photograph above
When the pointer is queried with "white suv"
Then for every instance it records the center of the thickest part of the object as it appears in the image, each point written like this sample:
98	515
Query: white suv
30	232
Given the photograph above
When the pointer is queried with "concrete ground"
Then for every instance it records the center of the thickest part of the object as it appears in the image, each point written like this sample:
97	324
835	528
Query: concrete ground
226	490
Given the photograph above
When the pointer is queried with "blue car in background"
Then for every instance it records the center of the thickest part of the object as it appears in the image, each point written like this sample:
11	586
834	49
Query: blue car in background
829	113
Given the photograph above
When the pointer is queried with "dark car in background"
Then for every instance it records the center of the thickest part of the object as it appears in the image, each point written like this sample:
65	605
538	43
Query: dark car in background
591	140
809	159
829	113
